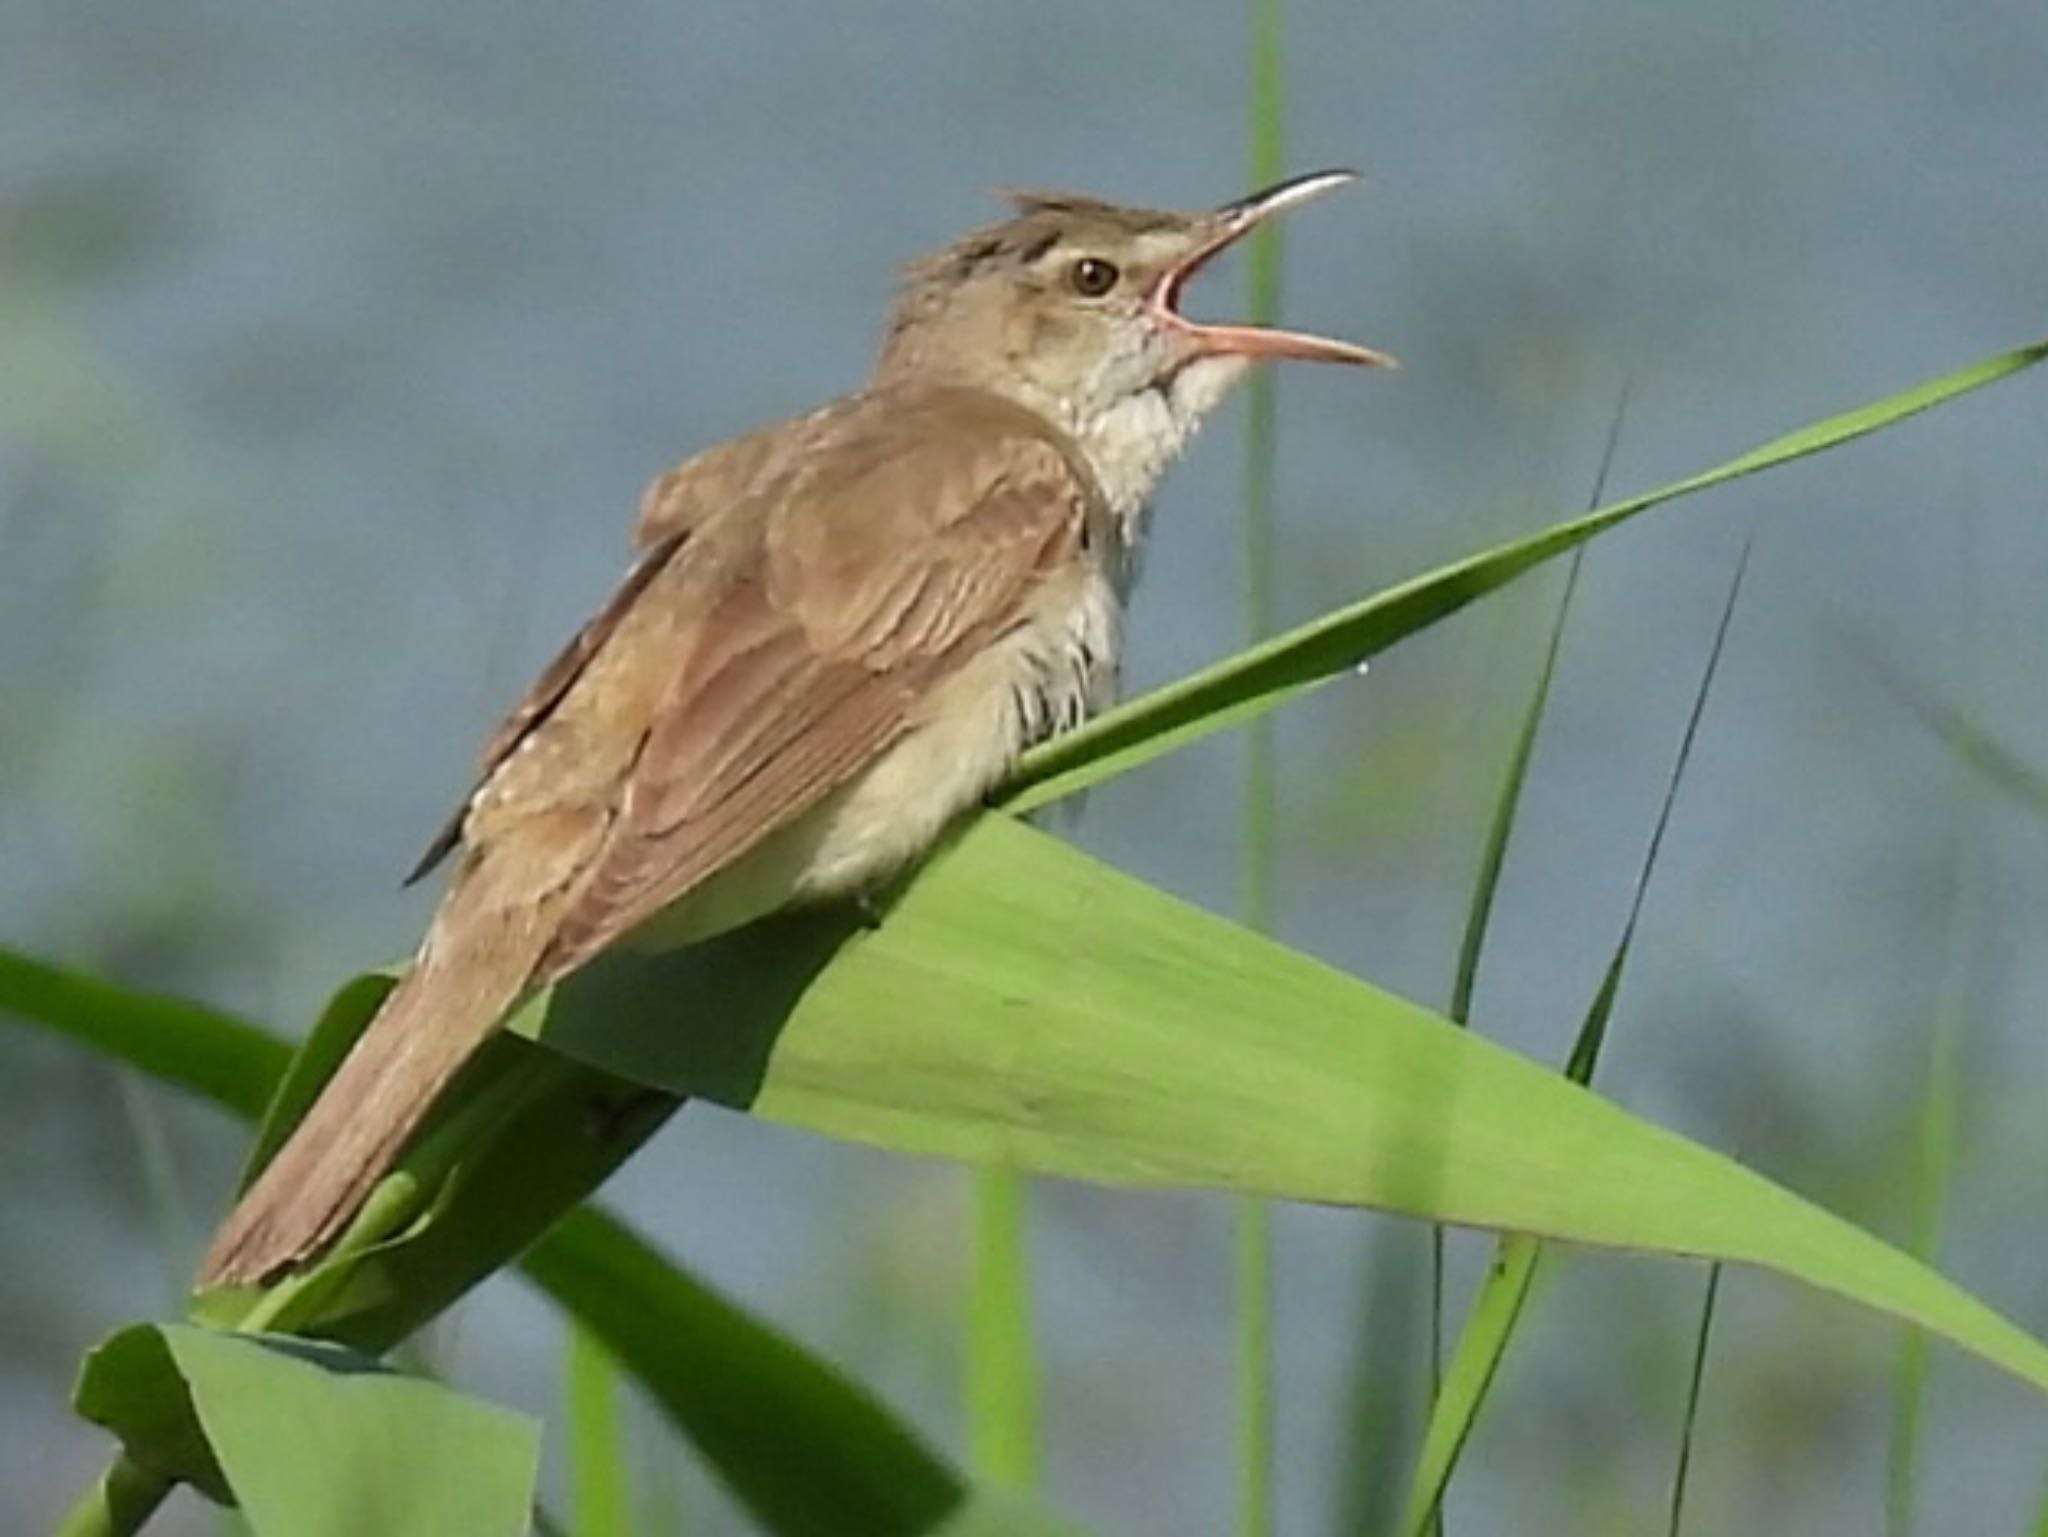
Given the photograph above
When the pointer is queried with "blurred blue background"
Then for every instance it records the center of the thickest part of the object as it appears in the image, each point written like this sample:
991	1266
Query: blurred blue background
336	344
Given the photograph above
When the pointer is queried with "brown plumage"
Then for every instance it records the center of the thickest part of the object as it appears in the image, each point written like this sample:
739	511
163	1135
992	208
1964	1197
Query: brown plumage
841	632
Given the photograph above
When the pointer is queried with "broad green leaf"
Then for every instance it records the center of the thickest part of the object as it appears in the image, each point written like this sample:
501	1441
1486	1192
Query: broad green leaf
1451	1170
521	1138
527	1138
1257	679
1027	1006
311	1440
714	1368
131	1385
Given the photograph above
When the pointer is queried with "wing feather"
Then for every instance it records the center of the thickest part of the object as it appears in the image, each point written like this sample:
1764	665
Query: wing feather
548	690
784	647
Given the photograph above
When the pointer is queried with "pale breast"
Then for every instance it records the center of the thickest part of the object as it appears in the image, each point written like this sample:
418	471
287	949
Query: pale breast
1050	672
1046	675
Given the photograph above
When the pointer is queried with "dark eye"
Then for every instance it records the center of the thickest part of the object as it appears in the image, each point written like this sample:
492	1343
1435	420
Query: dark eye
1091	277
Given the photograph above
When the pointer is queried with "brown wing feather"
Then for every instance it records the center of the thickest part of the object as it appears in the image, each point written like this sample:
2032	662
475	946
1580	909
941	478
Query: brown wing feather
756	659
707	483
894	563
676	503
548	690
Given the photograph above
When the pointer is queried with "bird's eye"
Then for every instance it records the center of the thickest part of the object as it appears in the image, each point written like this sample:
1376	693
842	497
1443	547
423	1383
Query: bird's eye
1091	277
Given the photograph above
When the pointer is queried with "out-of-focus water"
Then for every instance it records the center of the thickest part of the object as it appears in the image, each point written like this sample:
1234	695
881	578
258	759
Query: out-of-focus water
336	343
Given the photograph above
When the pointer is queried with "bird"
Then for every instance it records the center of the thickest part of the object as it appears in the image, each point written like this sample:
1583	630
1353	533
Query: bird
840	632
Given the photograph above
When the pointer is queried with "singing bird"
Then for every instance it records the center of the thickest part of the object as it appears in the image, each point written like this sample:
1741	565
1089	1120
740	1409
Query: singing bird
840	633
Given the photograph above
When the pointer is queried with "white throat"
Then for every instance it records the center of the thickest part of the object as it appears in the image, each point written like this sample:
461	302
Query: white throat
1130	442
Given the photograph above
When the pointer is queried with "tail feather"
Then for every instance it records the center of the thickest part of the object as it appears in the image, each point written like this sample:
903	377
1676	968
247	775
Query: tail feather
431	1025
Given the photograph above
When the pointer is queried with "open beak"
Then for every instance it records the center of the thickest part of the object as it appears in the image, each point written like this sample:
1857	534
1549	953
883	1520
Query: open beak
1228	225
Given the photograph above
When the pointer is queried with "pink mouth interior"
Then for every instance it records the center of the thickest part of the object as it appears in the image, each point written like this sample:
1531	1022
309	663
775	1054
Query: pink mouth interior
1177	280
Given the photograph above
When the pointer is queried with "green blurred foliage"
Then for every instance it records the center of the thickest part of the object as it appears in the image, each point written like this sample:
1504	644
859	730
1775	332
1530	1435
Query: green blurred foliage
336	339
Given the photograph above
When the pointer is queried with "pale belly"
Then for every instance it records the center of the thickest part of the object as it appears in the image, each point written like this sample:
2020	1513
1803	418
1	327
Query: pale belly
1046	676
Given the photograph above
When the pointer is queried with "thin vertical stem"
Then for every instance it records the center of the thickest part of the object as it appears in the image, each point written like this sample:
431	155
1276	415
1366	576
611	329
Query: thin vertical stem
1254	1368
1262	296
118	1503
1939	1105
1692	1399
600	1483
1940	1100
1002	1359
1259	807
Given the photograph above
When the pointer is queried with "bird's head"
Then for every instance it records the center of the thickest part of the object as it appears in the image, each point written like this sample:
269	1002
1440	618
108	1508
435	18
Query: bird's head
1073	307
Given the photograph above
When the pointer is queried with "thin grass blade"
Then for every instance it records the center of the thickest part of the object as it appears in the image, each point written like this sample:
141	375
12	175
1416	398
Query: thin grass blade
1257	679
200	1050
1493	857
1997	763
1478	918
1695	1380
1387	1389
1490	1325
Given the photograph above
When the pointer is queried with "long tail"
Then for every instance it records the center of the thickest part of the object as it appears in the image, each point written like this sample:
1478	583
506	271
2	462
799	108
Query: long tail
433	1023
